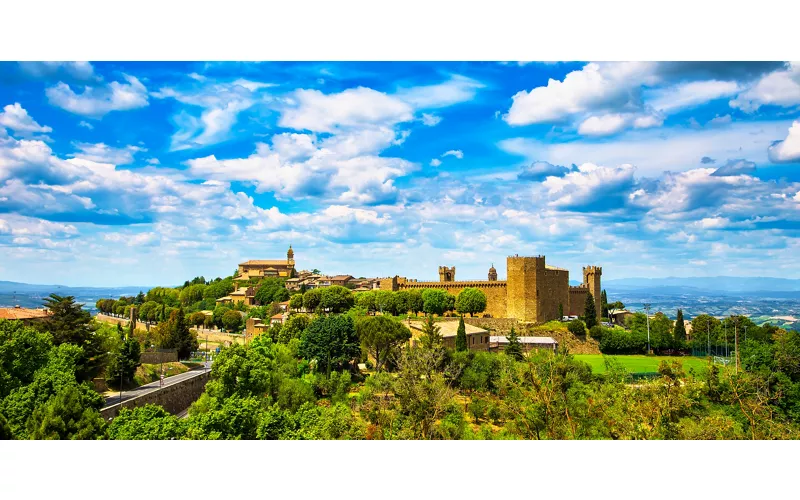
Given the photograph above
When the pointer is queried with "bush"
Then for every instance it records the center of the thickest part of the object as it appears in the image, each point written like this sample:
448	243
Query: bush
596	332
576	327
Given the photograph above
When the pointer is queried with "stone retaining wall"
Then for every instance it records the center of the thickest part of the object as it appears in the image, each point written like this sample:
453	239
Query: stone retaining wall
174	398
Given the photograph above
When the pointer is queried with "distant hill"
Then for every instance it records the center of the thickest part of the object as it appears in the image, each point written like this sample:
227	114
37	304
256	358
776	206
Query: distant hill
725	285
30	295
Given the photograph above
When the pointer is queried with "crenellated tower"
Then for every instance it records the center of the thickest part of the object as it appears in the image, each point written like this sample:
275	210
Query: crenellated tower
447	273
591	279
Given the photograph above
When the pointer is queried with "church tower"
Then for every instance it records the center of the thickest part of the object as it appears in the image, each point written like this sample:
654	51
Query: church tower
290	255
492	273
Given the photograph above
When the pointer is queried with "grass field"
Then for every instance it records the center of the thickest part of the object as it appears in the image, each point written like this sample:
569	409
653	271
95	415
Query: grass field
640	364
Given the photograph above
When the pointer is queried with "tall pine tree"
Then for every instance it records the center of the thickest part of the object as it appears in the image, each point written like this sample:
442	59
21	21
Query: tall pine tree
461	336
604	303
589	311
679	333
514	347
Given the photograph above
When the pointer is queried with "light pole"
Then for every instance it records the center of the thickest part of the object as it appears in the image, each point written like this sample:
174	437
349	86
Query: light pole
736	341
708	336
647	315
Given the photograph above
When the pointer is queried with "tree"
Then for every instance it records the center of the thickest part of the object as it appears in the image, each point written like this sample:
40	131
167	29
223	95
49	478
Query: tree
23	350
604	304
68	322
65	416
336	299
232	321
175	334
367	301
431	337
470	301
331	340
589	311
435	301
197	319
514	347
146	422
380	335
293	328
415	302
679	334
461	335
124	362
271	290
560	311
661	332
296	302
386	302
192	294
139	298
616	305
311	299
576	327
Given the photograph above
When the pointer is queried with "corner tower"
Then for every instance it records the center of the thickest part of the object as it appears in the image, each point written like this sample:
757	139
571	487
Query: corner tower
447	273
591	278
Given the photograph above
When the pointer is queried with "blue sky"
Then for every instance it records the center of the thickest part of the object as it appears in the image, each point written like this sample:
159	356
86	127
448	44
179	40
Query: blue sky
153	173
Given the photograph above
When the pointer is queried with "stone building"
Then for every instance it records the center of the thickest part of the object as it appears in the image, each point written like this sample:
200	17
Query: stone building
531	292
268	268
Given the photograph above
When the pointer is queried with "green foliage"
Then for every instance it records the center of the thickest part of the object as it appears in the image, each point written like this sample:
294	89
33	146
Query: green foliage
380	335
431	337
23	350
336	299
296	302
232	321
293	328
69	323
679	333
604	303
560	311
414	301
219	313
65	416
217	289
192	294
596	332
514	347
123	363
461	335
470	301
312	299
367	300
589	311
387	302
435	301
148	422
175	334
271	290
331	341
576	327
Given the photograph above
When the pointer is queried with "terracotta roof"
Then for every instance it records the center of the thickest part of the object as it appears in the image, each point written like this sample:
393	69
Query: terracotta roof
264	263
22	313
447	328
278	316
341	277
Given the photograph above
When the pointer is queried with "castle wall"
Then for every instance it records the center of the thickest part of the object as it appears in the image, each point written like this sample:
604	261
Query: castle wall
495	291
552	289
521	288
577	300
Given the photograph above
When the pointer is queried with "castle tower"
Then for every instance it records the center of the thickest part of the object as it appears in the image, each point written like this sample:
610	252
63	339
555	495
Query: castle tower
521	287
492	273
591	278
447	273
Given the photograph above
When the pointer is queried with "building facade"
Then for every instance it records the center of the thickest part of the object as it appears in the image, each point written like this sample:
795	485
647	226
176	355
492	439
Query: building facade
268	268
532	291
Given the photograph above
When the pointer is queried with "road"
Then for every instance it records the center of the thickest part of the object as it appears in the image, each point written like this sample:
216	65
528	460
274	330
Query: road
153	386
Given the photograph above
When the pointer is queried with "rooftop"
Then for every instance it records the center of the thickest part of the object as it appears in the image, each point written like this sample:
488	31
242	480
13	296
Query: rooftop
22	313
447	328
500	339
281	262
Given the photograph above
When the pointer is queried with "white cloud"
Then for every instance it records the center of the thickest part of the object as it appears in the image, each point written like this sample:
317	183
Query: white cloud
76	70
690	94
602	125
85	124
779	88
787	150
453	91
454	152
591	188
359	107
15	117
436	162
96	102
101	153
430	120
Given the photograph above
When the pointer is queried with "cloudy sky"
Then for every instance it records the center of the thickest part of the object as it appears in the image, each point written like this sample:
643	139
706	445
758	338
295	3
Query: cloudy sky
152	173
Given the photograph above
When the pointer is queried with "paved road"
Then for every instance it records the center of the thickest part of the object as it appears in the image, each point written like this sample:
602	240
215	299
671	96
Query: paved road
153	386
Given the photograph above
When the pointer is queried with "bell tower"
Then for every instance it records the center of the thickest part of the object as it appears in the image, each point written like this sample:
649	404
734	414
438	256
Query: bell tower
492	273
290	255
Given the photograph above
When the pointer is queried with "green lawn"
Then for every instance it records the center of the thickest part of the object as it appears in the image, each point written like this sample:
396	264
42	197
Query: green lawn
639	363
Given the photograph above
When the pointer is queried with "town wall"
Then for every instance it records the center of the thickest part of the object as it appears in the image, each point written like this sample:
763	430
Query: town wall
577	300
495	291
174	398
552	289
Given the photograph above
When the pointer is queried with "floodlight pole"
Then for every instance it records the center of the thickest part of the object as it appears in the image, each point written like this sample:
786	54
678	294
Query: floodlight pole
736	341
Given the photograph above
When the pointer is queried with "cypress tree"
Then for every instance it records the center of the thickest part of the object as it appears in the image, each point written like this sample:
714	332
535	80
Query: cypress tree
679	333
514	347
560	311
461	336
589	311
604	303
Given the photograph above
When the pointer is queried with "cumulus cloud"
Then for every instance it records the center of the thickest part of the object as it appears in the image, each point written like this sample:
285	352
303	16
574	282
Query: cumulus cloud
101	153
735	167
540	170
58	69
779	88
691	94
436	162
15	117
591	188
220	103
787	150
453	91
85	124
96	102
430	120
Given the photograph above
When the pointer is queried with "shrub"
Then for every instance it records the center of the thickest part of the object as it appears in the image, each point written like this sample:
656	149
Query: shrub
576	327
596	332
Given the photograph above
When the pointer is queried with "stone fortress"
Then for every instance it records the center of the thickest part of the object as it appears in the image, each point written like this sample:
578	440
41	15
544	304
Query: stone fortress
532	291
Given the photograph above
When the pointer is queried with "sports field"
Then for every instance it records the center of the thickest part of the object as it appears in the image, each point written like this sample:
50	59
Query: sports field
641	364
